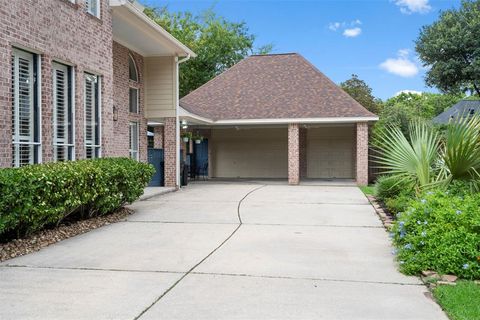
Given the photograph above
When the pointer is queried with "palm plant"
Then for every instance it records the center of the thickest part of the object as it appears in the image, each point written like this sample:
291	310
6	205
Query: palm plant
461	151
428	159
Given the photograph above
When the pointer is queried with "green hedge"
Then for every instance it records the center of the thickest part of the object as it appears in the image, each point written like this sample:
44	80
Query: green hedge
440	231
35	196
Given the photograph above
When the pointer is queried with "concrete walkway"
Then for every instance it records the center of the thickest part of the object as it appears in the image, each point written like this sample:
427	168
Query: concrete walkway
223	251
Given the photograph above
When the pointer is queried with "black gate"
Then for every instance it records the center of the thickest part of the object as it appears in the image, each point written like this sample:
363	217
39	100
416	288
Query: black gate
155	158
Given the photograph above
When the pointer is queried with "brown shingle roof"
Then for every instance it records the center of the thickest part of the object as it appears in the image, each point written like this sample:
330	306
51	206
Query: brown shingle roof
274	86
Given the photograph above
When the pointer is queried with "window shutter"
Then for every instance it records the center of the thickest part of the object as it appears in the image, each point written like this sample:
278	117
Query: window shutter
92	119
23	108
62	110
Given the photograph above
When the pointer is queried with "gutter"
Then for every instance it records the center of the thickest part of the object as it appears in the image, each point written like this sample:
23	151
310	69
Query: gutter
177	120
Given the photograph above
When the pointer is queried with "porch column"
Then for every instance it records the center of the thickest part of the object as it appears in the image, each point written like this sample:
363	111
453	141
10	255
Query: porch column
170	152
293	153
158	137
362	154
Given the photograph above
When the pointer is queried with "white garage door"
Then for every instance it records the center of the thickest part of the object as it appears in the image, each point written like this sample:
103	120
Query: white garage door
249	153
330	152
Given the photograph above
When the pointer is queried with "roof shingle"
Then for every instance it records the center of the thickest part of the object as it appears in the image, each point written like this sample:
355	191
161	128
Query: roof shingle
274	86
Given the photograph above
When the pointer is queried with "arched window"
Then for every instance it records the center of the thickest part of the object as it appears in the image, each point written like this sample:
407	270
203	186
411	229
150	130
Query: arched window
132	69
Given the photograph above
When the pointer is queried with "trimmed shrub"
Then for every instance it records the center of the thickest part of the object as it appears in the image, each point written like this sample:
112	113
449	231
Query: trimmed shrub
36	196
440	231
389	187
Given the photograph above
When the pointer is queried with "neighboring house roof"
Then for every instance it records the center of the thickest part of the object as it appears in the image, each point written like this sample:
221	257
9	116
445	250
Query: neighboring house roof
274	86
462	108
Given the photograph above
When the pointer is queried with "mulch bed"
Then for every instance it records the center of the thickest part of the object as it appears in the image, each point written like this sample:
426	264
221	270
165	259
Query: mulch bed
44	238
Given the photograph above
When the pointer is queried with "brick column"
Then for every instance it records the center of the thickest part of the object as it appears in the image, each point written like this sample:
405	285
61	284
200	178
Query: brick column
170	152
293	153
362	154
158	137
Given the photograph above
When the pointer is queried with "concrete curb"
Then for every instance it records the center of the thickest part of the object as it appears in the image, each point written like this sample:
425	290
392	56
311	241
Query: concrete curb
154	193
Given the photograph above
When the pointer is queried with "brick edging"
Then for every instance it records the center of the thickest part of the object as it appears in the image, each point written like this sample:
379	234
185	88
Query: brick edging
385	216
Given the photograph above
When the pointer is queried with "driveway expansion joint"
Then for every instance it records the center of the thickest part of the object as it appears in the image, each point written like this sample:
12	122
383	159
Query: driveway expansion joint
308	279
205	258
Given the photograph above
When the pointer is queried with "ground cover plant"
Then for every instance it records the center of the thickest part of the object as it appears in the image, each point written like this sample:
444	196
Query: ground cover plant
461	302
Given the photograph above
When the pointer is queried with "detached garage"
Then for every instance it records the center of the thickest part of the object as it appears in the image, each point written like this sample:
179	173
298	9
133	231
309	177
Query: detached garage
249	153
277	116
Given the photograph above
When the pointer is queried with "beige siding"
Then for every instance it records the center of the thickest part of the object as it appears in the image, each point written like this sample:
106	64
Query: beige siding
330	152
160	87
249	153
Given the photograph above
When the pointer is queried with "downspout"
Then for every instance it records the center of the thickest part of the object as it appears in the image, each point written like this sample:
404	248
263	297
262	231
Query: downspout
177	124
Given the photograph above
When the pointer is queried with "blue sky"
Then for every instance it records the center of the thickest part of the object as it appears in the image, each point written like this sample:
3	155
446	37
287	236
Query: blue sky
371	38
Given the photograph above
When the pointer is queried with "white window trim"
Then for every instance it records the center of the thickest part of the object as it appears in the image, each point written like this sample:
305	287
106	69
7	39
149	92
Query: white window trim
130	150
99	103
71	87
130	56
97	12
38	106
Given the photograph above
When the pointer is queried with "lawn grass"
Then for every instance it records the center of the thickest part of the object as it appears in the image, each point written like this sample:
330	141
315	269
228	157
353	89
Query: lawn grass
460	302
368	190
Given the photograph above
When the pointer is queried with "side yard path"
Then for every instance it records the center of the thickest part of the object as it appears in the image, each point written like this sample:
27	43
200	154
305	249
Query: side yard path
223	251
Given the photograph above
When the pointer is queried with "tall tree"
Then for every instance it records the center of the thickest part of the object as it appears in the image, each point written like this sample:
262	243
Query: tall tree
450	49
360	91
218	43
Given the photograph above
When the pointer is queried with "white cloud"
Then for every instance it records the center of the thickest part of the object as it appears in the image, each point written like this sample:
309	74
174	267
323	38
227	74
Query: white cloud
408	91
350	29
413	6
352	33
401	66
334	26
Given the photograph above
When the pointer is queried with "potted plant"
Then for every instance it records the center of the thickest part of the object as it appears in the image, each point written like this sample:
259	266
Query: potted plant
186	136
197	138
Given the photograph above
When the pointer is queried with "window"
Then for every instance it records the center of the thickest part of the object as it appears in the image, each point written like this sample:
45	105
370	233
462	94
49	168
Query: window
25	109
133	137
92	116
133	100
63	142
93	7
132	69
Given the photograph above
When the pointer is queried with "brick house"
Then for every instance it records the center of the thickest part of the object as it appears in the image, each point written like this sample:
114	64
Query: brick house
277	116
82	78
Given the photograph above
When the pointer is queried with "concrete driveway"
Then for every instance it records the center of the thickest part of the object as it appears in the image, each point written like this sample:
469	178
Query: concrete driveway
223	251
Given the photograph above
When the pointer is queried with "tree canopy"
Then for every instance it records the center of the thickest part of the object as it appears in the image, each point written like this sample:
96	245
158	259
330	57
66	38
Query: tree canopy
403	109
450	49
360	91
218	43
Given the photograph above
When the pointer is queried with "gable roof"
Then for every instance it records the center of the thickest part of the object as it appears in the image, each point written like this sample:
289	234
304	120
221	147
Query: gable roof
275	86
462	108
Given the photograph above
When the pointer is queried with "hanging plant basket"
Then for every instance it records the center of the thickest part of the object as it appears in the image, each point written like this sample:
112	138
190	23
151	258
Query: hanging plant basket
197	138
186	136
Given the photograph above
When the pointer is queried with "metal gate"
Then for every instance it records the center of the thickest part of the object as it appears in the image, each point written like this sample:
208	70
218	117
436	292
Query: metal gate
155	158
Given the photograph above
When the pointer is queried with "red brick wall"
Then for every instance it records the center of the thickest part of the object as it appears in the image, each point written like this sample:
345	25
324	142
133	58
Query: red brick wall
59	31
362	153
121	91
170	151
293	153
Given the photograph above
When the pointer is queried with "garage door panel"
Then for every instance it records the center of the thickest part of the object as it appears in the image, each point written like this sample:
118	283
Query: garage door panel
252	153
330	152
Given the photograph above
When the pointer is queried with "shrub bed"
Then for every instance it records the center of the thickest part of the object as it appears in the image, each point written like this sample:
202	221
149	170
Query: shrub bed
440	231
37	196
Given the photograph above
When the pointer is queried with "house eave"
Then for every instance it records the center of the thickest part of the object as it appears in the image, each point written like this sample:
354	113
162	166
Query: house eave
135	30
189	116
